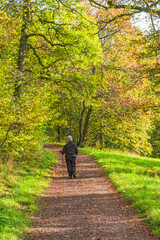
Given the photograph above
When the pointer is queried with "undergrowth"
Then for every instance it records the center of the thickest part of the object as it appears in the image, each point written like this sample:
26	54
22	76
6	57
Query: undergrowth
19	188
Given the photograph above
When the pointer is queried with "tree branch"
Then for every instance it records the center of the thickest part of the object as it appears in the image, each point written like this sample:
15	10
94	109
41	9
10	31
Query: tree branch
5	139
39	59
52	22
47	40
37	56
134	8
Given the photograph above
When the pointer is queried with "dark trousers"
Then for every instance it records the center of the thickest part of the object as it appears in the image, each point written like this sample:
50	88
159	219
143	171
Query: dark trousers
71	166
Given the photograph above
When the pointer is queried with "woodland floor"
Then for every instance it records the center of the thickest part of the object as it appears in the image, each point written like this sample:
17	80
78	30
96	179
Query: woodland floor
85	208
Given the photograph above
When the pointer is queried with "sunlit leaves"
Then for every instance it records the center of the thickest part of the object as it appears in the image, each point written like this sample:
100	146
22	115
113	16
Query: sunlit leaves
61	46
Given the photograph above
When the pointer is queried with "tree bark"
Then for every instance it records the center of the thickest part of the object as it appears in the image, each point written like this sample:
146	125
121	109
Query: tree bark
102	134
81	123
86	125
22	49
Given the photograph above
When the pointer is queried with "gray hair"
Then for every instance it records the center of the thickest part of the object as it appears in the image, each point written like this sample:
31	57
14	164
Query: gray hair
70	138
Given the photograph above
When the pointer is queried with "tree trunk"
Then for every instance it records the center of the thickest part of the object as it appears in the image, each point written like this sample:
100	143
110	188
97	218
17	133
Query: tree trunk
58	131
22	49
81	123
86	125
102	133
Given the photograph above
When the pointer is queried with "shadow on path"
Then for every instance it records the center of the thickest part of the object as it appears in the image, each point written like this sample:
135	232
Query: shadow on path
88	207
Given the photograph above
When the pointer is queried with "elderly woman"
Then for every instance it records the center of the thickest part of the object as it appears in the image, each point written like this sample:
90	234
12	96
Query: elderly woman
70	150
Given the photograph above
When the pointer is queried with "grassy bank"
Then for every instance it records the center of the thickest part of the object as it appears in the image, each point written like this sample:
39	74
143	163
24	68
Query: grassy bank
137	178
20	185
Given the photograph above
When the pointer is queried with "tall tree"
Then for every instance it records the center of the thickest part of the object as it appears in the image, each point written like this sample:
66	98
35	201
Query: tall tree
125	93
46	45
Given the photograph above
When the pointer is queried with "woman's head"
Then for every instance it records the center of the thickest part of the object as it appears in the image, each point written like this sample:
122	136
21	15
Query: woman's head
70	138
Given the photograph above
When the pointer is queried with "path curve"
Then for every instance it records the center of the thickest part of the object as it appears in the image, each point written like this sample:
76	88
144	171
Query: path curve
85	208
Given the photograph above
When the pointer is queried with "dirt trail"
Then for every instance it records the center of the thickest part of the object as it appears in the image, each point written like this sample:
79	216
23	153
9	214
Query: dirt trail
85	208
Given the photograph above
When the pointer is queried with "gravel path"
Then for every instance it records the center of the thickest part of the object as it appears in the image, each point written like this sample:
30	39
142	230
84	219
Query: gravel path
85	208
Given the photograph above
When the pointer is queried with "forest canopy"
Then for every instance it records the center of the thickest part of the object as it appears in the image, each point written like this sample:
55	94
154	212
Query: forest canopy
79	68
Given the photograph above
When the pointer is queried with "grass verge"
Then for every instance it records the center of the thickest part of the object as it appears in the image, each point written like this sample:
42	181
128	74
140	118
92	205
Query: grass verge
137	178
19	189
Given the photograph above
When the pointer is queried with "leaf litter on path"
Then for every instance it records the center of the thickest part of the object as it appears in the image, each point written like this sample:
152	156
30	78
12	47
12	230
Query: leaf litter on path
86	208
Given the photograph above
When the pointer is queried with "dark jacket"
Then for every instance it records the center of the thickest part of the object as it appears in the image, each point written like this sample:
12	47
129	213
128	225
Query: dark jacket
70	150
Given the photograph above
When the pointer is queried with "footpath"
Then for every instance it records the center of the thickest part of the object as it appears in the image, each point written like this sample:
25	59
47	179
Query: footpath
85	208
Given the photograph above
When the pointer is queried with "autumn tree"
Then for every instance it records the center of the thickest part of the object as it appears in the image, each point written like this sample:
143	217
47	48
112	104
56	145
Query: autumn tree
125	93
130	7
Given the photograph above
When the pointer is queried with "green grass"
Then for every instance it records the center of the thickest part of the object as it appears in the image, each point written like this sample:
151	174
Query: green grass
138	180
19	190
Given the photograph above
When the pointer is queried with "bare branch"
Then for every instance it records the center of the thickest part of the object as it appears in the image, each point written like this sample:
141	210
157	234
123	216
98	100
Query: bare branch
53	22
47	40
36	54
109	35
134	8
39	59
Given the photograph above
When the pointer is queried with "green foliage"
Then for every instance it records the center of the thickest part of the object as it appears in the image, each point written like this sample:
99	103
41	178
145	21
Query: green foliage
137	178
125	133
19	189
155	138
61	46
122	117
63	68
21	124
77	77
